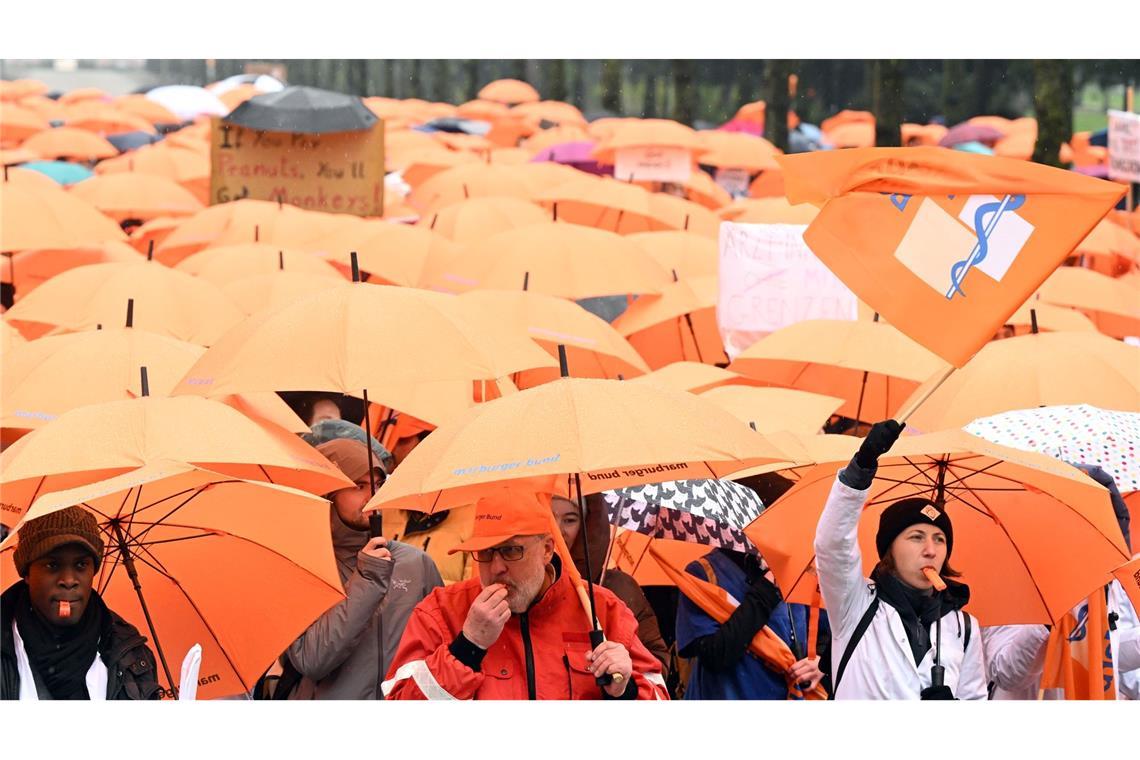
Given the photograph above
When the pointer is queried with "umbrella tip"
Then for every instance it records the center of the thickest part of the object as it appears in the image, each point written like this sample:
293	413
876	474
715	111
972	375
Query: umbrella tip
876	317
526	280
355	266
150	250
257	233
1033	321
675	277
555	219
753	426
686	223
466	194
563	365
130	312
144	383
281	260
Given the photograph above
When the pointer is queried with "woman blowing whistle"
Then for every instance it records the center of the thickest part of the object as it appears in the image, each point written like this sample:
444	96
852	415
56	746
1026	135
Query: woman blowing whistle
901	634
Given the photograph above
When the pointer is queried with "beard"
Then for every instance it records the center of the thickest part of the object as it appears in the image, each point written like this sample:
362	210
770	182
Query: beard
521	594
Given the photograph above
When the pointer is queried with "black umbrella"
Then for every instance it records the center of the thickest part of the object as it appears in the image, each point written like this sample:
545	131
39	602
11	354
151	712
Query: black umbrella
303	109
124	141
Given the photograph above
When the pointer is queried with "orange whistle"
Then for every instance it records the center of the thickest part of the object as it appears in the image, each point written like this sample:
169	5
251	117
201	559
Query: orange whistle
65	609
934	578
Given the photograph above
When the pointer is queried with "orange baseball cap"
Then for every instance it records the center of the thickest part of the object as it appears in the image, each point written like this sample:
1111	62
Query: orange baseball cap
507	513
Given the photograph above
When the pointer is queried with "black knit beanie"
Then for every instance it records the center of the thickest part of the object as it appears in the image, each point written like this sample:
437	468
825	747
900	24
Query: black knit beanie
907	512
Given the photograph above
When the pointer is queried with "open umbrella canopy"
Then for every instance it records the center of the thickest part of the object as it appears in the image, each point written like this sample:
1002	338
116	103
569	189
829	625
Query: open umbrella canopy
768	211
1032	536
1112	305
871	365
694	377
69	143
472	180
1048	317
39	217
388	253
612	434
737	150
477	219
303	109
130	195
105	118
565	260
1077	434
187	102
348	339
275	289
165	301
593	347
60	172
119	436
508	92
32	268
684	253
139	105
677	325
242	583
774	409
1047	369
227	263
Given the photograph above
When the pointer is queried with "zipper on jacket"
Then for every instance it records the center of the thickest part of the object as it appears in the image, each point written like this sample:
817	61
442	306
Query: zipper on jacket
524	629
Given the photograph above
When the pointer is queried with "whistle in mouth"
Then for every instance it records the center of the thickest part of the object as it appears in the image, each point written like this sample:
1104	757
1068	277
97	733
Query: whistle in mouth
934	578
65	609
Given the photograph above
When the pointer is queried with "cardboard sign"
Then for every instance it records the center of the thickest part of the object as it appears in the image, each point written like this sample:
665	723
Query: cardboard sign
339	172
653	164
770	279
1124	145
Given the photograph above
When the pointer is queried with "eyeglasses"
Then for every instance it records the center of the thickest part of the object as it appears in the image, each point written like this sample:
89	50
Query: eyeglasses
509	553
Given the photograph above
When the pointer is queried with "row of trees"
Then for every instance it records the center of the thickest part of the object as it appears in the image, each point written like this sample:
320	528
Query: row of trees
707	92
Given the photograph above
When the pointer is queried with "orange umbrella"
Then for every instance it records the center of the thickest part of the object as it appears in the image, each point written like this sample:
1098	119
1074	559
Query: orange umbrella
685	253
165	301
141	105
245	221
1046	369
850	129
478	218
606	433
694	377
389	253
672	213
232	262
21	88
418	165
698	188
152	233
770	184
69	143
737	150
547	138
481	109
629	553
463	142
104	118
119	436
607	204
39	217
565	260
869	364
329	341
648	133
16	175
509	92
45	106
175	529
132	195
593	347
10	156
85	94
678	325
18	124
470	181
186	167
52	375
34	267
774	409
1110	249
923	134
1048	317
1112	305
554	111
275	289
999	500
238	95
768	211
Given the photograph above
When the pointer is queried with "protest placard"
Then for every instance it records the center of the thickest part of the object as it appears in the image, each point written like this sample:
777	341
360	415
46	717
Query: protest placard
340	172
770	279
653	164
1124	145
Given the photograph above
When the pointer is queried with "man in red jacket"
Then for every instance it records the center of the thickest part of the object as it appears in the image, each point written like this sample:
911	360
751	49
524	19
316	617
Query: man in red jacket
519	630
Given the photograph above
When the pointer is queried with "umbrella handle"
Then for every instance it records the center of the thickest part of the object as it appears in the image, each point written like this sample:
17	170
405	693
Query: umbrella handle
596	639
914	405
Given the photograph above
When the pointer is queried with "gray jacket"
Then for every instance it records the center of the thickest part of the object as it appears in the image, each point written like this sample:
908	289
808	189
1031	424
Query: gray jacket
345	654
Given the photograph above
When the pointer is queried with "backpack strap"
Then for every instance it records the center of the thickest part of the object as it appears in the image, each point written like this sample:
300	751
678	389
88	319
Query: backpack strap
856	637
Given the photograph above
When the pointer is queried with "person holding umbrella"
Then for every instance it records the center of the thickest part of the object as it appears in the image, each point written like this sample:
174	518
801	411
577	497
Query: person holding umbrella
345	653
58	640
518	630
903	634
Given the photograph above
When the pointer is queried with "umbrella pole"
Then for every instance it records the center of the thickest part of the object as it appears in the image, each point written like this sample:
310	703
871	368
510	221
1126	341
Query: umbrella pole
375	519
132	573
905	413
696	344
859	406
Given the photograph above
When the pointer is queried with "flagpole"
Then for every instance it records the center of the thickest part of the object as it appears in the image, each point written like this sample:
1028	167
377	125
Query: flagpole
912	407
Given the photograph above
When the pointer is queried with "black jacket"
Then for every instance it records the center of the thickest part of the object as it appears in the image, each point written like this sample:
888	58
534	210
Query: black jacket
131	671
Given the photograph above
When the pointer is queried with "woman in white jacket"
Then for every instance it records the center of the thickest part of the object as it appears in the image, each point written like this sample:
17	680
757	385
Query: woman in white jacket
886	630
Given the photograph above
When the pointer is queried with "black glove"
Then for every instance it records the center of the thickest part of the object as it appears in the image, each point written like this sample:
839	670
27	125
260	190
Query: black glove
766	594
936	692
878	442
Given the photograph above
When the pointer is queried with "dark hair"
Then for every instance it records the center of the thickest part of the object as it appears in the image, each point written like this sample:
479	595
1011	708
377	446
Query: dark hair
887	565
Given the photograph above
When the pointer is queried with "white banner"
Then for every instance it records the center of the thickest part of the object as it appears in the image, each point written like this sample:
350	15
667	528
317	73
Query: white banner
770	279
653	164
1124	146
